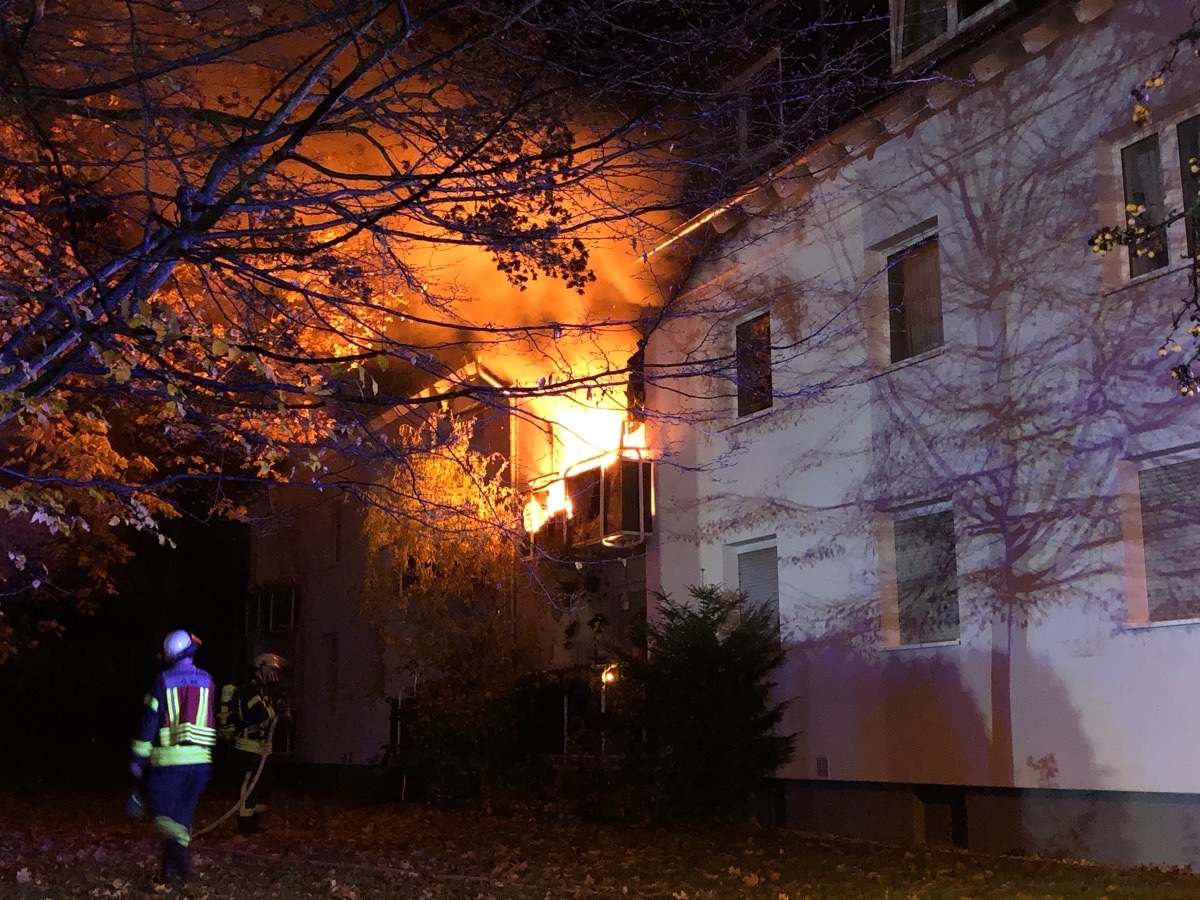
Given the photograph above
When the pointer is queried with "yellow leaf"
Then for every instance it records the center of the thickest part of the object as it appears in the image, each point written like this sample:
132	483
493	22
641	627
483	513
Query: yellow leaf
220	348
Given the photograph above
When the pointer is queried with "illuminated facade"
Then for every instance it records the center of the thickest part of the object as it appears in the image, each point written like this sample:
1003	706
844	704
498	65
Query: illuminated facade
959	465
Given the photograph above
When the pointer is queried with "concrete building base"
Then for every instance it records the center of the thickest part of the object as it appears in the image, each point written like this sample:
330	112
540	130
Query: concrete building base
1123	828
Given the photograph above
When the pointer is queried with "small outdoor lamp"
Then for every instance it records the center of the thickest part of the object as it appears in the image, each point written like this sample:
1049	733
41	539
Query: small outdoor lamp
607	677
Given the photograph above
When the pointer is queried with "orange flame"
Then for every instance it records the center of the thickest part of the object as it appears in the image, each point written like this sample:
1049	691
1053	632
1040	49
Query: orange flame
587	433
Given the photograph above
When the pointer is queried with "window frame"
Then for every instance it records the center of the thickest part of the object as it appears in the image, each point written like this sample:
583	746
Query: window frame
1133	537
759	547
1191	220
263	601
1146	263
731	566
955	25
891	612
1178	248
895	262
745	402
746	87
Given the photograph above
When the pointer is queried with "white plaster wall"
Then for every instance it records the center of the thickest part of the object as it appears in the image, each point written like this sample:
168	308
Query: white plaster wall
1049	377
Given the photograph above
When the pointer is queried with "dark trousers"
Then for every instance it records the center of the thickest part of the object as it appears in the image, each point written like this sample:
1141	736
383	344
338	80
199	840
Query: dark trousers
174	792
255	803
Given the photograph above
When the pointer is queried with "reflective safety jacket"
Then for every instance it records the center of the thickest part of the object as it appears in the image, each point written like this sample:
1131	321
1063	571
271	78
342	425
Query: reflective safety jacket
255	713
178	725
227	714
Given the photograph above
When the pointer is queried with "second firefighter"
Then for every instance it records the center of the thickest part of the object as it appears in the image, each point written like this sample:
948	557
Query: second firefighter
252	731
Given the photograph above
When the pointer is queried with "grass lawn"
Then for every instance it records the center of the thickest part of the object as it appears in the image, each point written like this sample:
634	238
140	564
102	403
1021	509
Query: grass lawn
80	845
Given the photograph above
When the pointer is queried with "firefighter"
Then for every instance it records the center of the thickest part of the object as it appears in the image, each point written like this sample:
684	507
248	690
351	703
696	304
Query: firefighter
173	749
251	741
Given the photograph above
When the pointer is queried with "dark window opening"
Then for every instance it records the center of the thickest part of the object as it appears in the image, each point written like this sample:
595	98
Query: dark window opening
753	353
271	608
927	578
1140	165
923	22
968	8
1189	162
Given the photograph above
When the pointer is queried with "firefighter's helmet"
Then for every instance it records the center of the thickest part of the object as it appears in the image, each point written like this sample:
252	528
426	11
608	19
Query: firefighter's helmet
269	666
179	644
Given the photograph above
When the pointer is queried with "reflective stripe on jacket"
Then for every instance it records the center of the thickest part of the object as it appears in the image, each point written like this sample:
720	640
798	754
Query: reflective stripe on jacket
178	725
256	713
226	713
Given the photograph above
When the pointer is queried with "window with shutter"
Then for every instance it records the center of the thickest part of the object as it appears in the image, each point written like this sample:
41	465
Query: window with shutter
758	578
1170	504
927	578
915	300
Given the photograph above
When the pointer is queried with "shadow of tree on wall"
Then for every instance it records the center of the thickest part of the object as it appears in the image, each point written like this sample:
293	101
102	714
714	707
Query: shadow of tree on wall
912	718
1048	381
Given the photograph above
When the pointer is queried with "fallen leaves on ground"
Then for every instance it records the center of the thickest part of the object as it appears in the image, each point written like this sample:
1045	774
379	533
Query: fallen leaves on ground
81	846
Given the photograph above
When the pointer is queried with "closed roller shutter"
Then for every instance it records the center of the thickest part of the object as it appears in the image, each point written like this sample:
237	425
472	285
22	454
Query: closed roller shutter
758	578
1171	537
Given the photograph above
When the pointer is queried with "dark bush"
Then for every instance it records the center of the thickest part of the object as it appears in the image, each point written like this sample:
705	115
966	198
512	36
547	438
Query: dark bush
697	710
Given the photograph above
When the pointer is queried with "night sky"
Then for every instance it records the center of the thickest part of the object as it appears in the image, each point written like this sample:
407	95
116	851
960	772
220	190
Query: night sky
79	695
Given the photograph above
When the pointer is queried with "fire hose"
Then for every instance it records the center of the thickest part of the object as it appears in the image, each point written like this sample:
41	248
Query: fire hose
247	787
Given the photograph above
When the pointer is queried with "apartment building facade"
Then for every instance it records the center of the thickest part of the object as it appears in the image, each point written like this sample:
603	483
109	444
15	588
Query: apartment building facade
947	447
